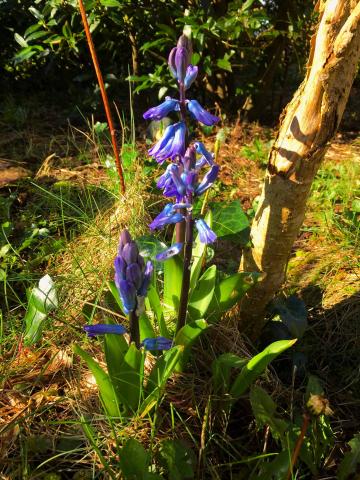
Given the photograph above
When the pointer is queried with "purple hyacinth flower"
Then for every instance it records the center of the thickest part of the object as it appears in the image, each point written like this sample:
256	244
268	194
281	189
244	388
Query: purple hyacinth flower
190	179
200	114
147	279
208	180
162	220
164	140
159	112
103	328
134	275
130	252
120	270
171	144
127	295
206	235
158	343
209	157
161	183
176	178
170	189
190	77
200	163
170	252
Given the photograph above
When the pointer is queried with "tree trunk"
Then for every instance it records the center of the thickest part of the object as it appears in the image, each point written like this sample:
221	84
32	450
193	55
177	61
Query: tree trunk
307	125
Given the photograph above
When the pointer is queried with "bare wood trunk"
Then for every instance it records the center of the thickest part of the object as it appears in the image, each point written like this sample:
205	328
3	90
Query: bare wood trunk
307	125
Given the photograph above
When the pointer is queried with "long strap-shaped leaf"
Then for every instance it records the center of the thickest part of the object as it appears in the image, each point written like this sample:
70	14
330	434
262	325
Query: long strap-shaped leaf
256	366
106	389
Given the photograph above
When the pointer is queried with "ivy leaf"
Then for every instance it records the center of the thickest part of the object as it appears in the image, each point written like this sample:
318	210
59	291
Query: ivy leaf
229	219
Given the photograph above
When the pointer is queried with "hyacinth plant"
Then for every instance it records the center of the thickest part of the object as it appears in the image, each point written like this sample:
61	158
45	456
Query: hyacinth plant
191	297
182	178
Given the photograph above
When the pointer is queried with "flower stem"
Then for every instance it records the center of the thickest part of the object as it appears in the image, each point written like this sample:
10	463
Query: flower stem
180	227
184	297
134	329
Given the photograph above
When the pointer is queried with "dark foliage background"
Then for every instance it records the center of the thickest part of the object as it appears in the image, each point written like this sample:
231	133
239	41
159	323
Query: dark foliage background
251	53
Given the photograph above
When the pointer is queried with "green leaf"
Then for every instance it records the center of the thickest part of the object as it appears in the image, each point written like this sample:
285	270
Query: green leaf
351	459
178	459
106	389
246	5
133	460
115	347
229	291
110	3
42	300
36	35
221	369
20	40
257	365
173	272
164	367
276	469
199	254
313	387
224	64
38	15
202	294
186	336
130	377
264	409
155	305
31	29
146	328
230	219
116	295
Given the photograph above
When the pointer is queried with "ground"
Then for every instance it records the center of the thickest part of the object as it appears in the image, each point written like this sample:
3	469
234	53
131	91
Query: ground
63	182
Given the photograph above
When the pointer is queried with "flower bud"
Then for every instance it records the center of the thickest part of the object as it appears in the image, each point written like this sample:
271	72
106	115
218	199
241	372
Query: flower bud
134	275
190	77
171	62
130	253
125	238
147	279
120	269
185	42
128	296
181	62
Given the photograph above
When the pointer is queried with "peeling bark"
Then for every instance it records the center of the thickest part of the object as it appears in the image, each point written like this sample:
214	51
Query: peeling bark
307	125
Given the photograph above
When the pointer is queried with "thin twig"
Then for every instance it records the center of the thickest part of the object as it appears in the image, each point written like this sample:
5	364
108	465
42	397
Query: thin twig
298	445
103	95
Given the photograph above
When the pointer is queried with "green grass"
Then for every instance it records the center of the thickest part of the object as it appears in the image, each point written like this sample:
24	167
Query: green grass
335	201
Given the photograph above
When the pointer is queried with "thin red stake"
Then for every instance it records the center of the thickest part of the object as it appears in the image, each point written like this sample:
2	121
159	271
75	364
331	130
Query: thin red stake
103	95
